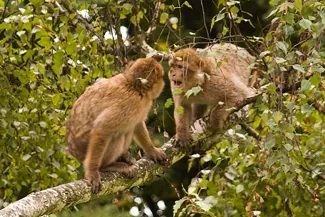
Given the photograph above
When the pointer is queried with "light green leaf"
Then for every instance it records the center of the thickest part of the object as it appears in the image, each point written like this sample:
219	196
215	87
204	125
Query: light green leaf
187	4
169	102
288	147
193	91
305	85
280	60
179	110
26	157
127	6
304	23
299	68
239	188
277	116
43	124
282	46
178	205
163	17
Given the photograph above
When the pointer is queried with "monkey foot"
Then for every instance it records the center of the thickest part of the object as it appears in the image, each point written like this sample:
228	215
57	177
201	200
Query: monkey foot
125	169
127	158
95	182
157	155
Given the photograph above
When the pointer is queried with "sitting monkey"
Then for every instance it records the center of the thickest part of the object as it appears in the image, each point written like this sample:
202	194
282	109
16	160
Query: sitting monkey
109	114
220	76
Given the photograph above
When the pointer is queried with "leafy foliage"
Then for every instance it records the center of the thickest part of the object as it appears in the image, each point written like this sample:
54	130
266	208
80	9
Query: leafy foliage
283	173
44	65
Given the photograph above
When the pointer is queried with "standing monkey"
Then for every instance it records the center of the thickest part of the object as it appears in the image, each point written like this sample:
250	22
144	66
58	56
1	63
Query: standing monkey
109	114
220	74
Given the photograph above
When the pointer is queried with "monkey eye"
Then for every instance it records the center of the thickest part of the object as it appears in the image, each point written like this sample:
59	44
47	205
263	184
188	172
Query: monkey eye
179	67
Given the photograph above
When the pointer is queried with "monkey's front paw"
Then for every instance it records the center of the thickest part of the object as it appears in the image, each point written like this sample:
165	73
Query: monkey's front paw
94	180
183	142
157	155
130	172
127	158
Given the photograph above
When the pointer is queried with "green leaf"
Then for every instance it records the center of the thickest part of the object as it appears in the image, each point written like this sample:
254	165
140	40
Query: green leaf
187	4
315	80
220	17
45	42
277	116
163	17
169	102
71	48
304	23
299	68
239	188
307	109
282	46
288	30
179	110
43	124
288	147
270	141
289	18
280	60
26	157
127	6
298	5
177	91
305	85
193	91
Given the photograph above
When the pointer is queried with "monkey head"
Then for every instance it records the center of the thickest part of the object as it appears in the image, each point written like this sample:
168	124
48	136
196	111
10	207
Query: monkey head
145	75
187	69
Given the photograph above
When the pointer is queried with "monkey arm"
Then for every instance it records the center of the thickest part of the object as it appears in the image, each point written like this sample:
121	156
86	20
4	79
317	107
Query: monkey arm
141	135
183	122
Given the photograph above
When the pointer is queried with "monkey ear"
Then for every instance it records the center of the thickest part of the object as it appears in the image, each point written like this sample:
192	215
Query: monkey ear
205	66
141	85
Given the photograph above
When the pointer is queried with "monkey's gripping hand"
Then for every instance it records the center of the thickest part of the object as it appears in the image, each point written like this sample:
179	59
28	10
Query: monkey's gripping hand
157	155
183	140
94	179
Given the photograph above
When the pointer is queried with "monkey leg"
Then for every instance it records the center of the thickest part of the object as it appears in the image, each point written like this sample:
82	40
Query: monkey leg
218	116
127	170
99	141
126	157
198	111
141	135
183	121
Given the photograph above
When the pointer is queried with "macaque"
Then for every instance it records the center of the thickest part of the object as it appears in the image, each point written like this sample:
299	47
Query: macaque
109	114
216	77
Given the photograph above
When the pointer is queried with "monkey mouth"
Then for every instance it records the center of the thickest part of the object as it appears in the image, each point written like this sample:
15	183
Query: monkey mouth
177	83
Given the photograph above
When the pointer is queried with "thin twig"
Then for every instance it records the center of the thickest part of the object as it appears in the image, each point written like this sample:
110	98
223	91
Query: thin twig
251	131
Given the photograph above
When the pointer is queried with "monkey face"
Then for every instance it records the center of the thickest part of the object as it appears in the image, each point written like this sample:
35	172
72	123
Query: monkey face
185	73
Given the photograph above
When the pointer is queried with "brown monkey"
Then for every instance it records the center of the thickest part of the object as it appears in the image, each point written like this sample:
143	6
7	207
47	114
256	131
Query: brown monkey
109	114
220	74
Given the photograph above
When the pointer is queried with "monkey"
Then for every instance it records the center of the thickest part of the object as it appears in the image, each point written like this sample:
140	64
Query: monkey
220	74
109	115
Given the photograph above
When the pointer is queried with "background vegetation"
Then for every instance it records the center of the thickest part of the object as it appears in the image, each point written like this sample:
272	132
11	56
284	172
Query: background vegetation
51	50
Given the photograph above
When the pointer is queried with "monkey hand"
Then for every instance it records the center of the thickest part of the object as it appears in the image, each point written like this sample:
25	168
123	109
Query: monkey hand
157	155
183	141
94	179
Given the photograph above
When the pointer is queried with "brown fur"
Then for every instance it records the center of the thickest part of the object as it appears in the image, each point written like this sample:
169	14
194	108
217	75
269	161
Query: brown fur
109	114
222	71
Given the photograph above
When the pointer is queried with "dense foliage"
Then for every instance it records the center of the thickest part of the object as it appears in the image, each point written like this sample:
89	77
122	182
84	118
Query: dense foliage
280	172
270	163
46	61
